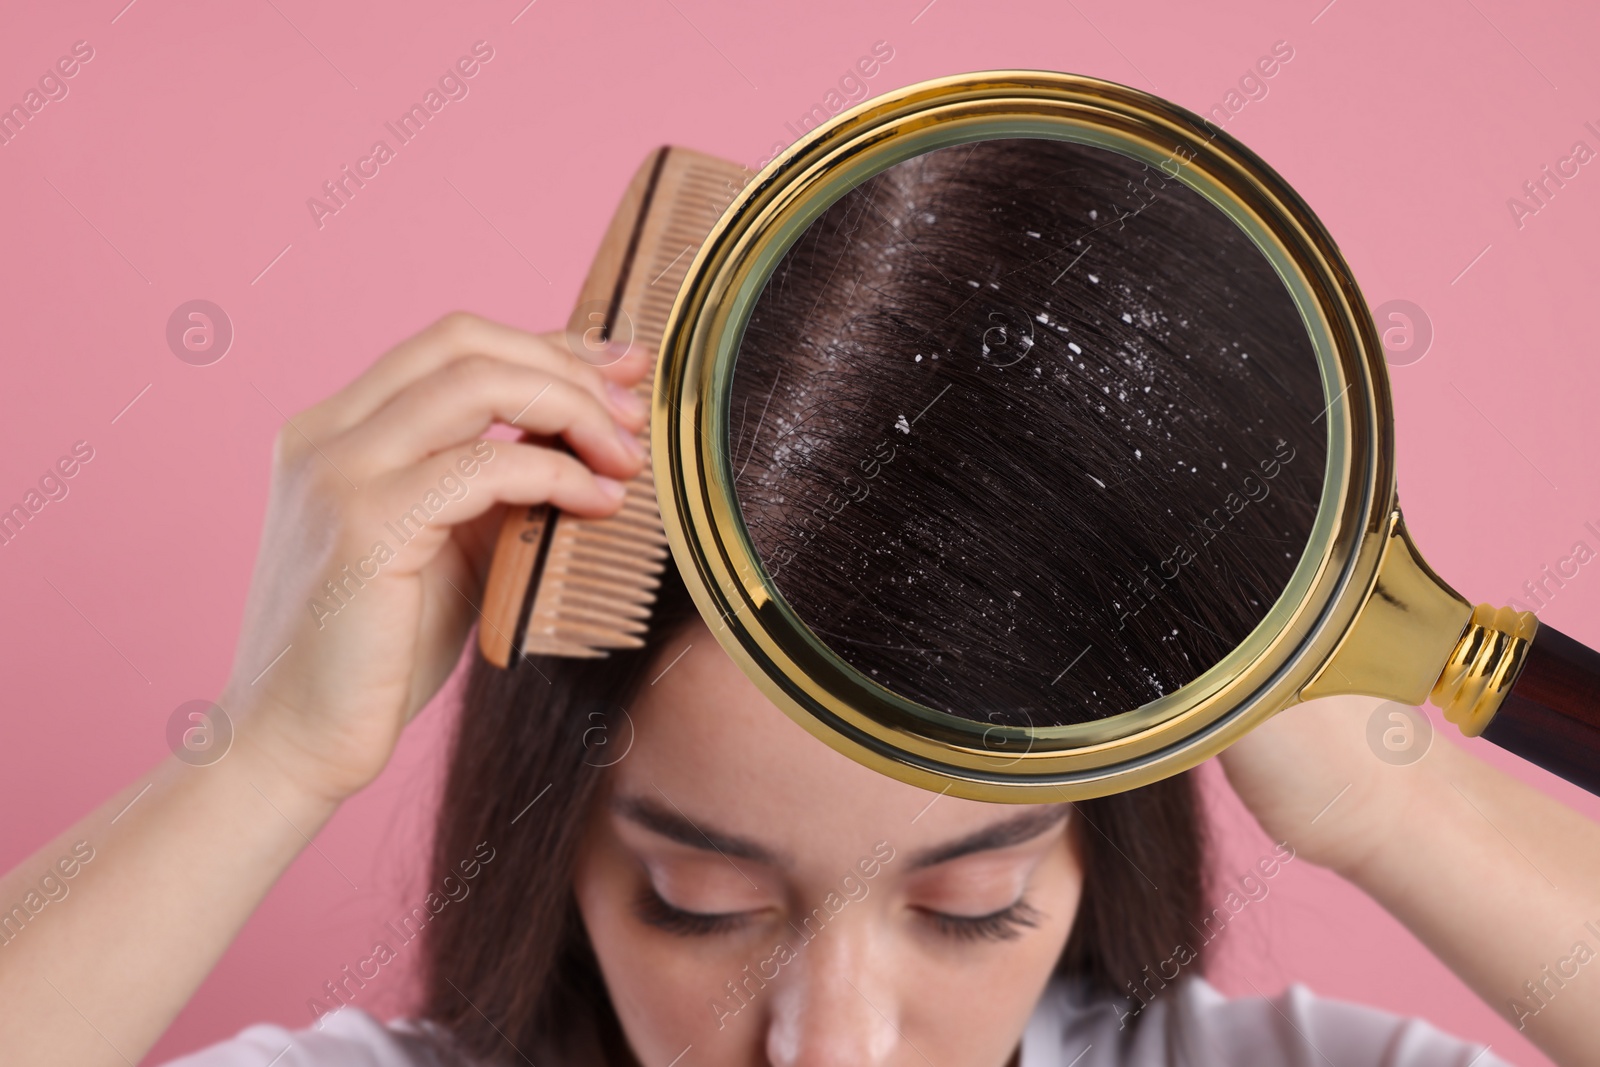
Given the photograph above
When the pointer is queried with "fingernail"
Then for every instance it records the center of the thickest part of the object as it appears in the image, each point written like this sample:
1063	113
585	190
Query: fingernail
625	400
610	487
631	443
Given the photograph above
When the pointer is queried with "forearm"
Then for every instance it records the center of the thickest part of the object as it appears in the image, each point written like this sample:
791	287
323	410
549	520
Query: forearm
1500	881
95	976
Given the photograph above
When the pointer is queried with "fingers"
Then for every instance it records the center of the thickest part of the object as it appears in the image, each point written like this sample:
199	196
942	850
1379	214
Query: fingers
462	483
460	400
454	337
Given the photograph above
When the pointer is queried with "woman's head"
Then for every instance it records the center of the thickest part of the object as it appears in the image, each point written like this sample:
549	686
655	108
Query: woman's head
757	895
863	918
872	917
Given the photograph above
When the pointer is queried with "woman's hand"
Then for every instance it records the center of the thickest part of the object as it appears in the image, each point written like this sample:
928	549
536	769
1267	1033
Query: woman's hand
384	504
1310	778
385	501
1497	878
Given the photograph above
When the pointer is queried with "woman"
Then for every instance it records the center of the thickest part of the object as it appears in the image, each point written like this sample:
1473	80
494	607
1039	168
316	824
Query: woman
664	868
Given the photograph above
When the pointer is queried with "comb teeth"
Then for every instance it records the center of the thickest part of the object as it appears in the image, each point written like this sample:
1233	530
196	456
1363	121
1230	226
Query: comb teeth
598	582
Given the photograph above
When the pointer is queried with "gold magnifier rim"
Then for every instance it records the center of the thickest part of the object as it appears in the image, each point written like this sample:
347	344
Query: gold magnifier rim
843	707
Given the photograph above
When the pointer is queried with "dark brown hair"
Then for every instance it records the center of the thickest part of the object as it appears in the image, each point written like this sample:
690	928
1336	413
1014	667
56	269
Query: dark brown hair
1025	404
997	539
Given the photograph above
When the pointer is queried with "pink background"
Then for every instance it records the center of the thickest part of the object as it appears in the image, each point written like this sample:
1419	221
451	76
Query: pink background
179	165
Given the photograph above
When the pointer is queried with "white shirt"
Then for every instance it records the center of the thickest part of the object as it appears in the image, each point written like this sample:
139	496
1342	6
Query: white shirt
1294	1028
1193	1025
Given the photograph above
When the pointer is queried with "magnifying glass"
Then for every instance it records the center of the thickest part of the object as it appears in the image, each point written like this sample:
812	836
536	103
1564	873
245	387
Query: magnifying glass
1025	437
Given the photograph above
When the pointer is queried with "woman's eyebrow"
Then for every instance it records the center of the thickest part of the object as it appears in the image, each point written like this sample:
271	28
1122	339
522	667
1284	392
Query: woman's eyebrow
674	825
1012	831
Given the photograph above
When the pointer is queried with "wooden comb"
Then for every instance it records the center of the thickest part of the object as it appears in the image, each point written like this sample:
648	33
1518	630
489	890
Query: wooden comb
560	585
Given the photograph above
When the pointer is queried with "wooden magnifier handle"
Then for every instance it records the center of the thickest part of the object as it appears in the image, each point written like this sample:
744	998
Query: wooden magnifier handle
1551	716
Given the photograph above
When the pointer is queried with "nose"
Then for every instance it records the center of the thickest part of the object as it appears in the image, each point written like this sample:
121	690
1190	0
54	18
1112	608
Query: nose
834	1006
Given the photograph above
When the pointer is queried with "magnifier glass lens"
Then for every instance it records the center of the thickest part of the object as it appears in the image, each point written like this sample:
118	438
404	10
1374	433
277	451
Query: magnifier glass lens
1027	431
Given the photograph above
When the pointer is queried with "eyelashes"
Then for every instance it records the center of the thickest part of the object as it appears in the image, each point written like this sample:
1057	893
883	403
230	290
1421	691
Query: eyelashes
1006	924
655	911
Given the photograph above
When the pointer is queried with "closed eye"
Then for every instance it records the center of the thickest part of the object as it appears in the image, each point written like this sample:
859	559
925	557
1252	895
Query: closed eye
654	910
1004	925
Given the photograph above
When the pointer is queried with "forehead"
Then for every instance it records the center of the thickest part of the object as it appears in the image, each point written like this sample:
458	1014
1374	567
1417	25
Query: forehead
709	743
